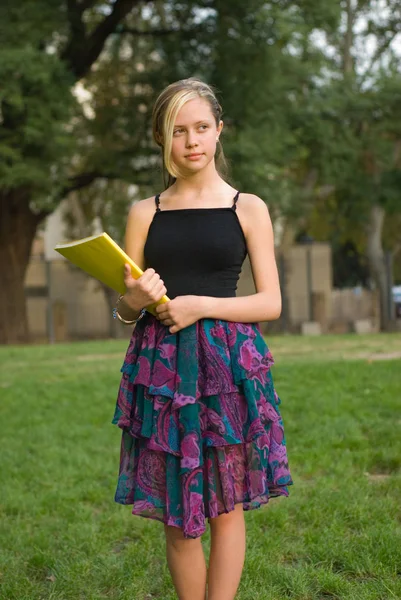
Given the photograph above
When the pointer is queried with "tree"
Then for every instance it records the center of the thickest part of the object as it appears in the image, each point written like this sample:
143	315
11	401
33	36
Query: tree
47	47
355	130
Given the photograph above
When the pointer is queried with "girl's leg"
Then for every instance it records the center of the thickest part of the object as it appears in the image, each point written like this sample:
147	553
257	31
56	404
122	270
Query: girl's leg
227	554
186	563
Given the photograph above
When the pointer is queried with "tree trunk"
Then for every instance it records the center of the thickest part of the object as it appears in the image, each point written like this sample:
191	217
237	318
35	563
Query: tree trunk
18	227
376	259
348	61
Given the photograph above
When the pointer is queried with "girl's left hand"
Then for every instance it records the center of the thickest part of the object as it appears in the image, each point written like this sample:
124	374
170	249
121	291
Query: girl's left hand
181	312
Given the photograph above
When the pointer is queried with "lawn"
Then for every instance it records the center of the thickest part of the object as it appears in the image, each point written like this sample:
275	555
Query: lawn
337	536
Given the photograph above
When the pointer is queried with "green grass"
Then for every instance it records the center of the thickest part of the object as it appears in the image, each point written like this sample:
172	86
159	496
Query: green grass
338	535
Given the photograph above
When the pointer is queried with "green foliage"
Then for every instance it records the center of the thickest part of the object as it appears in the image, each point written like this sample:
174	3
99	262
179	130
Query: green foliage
35	23
36	104
354	134
115	138
35	99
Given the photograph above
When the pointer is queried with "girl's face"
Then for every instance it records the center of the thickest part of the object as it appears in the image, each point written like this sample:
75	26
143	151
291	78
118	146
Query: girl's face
195	136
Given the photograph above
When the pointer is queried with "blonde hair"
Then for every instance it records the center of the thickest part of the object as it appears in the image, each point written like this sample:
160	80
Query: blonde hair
165	111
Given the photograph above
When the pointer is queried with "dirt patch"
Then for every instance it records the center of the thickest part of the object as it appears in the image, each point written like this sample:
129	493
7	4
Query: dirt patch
377	476
384	356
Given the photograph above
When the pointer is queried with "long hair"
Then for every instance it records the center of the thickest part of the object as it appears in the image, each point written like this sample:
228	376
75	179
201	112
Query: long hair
165	111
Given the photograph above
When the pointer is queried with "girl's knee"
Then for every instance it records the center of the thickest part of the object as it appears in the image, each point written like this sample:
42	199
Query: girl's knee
228	519
175	537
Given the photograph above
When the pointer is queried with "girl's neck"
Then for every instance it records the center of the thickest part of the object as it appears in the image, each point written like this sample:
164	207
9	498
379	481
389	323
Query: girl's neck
197	186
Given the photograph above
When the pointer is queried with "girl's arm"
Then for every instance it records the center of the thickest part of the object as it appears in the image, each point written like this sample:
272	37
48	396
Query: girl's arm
138	221
265	304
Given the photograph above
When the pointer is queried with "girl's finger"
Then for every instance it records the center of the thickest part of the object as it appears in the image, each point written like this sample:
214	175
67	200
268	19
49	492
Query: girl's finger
151	285
163	313
147	275
127	273
158	288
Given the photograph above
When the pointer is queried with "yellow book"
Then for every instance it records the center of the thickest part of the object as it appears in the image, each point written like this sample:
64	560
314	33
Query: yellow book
100	257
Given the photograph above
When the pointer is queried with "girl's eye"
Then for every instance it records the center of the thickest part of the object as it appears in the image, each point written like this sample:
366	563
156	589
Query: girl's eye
203	126
178	131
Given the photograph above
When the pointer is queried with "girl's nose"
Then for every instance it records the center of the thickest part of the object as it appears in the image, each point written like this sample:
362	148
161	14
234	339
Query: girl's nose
191	140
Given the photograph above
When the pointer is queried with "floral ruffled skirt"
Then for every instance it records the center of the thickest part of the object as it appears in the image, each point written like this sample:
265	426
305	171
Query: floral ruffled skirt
200	420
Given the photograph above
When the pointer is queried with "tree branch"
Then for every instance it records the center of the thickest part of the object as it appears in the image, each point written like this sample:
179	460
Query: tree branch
77	26
82	50
152	32
72	6
348	61
75	183
83	180
385	35
85	4
159	32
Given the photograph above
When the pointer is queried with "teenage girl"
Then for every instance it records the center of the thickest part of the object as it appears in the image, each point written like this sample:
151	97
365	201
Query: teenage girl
202	434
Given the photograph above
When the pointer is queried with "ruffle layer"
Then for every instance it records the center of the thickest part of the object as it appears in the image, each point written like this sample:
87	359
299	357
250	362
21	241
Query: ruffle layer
188	397
200	360
230	475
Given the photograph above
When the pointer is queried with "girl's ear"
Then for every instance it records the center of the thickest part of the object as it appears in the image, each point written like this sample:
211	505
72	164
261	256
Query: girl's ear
220	128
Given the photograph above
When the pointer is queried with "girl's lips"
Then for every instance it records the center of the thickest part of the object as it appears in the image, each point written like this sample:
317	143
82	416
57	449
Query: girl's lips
194	156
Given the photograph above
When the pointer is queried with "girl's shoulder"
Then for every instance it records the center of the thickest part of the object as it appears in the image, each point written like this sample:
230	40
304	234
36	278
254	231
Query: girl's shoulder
252	212
142	210
252	201
140	216
144	206
251	206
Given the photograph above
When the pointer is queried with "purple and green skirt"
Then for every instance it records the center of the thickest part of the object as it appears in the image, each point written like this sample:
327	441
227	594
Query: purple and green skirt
200	420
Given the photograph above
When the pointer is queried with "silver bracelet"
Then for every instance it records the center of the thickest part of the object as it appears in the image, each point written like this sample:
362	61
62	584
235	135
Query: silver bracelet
116	314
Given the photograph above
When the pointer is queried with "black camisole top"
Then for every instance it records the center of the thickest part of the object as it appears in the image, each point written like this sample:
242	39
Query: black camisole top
197	251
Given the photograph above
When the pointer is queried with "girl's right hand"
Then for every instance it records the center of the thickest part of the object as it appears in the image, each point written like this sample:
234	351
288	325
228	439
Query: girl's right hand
145	290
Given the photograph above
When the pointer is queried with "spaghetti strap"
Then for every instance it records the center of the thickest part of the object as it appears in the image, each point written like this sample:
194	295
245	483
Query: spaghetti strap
157	201
234	206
